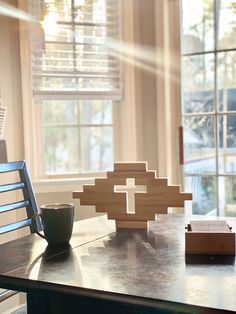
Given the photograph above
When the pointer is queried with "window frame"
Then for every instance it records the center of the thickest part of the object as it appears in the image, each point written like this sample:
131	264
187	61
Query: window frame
33	145
216	175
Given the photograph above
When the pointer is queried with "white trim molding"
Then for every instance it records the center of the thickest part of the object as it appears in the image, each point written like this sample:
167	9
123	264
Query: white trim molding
168	88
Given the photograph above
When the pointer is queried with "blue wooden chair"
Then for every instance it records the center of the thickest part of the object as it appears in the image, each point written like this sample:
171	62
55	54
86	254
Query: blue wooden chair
21	181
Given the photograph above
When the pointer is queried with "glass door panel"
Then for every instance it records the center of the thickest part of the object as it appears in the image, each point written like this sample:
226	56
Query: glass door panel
198	83
197	25
226	80
227	144
227	195
226	15
208	83
199	142
204	193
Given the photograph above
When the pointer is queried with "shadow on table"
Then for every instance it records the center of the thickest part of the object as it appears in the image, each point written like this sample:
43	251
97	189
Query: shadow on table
55	262
194	259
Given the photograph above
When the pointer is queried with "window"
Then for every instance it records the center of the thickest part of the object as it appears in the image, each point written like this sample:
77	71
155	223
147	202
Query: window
76	85
208	104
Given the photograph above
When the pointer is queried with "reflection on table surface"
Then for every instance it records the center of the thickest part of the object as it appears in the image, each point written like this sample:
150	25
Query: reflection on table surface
149	263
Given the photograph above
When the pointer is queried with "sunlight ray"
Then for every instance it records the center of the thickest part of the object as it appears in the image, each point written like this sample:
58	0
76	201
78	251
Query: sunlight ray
8	10
143	57
160	70
146	54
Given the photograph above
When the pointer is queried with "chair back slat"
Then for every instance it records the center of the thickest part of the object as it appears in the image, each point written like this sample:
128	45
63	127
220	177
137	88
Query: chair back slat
11	187
12	166
28	202
15	226
12	206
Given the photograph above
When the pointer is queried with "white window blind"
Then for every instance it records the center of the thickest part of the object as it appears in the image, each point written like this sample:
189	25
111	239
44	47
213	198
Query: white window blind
71	51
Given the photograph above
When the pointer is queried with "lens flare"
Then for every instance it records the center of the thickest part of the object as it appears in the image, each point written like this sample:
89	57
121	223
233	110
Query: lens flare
8	10
146	58
143	57
49	23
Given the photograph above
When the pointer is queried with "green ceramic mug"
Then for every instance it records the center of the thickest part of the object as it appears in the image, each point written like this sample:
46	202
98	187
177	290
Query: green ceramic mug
57	221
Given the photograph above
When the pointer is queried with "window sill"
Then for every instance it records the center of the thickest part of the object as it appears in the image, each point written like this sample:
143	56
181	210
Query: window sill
61	185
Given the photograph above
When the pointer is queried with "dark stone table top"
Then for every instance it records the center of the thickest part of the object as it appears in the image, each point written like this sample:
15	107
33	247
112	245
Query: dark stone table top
135	263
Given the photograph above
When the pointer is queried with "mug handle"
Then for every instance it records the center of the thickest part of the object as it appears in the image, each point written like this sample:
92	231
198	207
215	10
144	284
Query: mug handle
34	226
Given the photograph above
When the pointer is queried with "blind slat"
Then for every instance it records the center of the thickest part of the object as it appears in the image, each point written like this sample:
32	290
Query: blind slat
72	53
76	75
76	95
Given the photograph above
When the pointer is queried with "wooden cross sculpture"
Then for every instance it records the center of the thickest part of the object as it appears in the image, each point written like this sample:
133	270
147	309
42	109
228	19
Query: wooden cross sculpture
132	195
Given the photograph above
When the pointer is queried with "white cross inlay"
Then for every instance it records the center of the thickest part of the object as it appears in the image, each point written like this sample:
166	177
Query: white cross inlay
130	189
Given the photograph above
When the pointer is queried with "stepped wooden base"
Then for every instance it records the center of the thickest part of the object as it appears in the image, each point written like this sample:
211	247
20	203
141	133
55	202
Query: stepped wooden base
131	224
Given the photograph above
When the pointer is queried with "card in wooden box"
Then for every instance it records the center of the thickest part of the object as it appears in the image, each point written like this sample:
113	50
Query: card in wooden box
205	241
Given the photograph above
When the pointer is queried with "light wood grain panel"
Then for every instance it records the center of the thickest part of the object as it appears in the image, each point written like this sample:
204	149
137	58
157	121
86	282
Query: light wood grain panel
157	209
163	190
157	185
110	181
160	199
116	209
134	166
94	196
131	174
131	224
138	217
210	243
155	200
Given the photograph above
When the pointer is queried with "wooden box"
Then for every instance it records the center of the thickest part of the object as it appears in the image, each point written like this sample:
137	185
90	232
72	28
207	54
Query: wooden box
209	242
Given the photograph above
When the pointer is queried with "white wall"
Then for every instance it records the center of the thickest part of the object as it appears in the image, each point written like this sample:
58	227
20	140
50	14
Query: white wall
140	115
11	97
147	39
10	85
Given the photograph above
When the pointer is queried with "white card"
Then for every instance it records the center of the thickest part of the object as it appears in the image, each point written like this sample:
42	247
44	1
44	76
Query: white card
209	225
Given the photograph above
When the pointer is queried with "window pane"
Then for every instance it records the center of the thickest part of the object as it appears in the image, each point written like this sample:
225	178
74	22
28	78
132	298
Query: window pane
227	24
96	148
227	144
226	70
209	103
61	9
61	150
60	112
227	195
96	112
204	194
198	83
78	135
197	25
54	56
98	13
199	144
